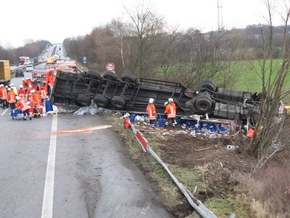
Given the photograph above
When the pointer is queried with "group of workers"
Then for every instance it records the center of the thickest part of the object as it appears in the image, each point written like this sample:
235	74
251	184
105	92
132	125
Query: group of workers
169	112
28	98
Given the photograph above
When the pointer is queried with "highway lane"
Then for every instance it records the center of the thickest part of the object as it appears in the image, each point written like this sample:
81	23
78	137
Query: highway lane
91	176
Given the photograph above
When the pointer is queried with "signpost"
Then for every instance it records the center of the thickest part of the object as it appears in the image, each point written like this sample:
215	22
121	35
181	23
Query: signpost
84	59
110	67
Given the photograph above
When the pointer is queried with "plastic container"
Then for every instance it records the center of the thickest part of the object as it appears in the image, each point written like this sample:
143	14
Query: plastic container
161	122
132	118
48	105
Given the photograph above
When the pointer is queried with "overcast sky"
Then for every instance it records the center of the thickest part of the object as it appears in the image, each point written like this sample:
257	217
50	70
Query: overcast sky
55	20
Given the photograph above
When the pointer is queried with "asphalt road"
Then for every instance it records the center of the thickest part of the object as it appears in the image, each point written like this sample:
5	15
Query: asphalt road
69	166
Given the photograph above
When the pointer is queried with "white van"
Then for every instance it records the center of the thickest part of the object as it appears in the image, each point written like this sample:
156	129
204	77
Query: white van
29	68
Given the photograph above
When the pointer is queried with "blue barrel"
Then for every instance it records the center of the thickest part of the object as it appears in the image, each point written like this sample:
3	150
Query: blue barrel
132	118
48	105
161	122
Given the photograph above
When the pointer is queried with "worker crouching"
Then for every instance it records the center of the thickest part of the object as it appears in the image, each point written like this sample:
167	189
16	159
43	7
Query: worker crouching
22	105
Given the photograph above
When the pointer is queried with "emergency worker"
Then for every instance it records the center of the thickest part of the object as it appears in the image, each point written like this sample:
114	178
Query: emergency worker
26	83
12	86
170	112
35	103
11	98
43	94
21	92
22	105
3	96
171	101
29	93
151	112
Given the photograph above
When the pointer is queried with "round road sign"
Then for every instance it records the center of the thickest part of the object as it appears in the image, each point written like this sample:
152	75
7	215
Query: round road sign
110	67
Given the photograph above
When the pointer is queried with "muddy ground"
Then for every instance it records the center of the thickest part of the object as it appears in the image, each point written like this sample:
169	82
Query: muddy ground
218	156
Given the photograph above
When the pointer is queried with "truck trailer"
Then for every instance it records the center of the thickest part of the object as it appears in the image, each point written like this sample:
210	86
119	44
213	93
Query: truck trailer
5	72
130	94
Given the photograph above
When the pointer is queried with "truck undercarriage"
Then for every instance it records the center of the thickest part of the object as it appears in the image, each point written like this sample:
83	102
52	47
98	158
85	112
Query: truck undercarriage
130	94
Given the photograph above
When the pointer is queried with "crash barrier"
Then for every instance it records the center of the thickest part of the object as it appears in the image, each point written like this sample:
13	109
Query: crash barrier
195	203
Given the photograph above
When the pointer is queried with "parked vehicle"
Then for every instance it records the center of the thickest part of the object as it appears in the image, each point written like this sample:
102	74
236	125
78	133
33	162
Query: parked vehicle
5	72
19	72
29	67
24	60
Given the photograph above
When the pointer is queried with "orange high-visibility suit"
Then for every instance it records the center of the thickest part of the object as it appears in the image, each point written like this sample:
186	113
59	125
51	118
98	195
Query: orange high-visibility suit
170	111
11	97
21	93
151	111
22	105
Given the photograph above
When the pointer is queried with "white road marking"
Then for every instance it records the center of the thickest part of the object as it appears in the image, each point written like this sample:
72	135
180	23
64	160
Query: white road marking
4	111
47	204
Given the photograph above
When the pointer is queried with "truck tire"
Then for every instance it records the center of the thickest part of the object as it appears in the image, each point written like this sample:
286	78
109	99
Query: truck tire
203	104
207	85
83	100
110	76
93	74
101	100
190	105
118	102
128	77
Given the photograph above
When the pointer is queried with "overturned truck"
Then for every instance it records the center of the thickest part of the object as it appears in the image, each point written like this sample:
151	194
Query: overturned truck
131	94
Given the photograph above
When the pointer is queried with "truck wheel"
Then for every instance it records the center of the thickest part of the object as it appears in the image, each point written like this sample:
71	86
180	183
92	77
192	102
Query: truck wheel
93	74
128	77
110	76
118	102
83	100
207	85
101	100
203	104
190	105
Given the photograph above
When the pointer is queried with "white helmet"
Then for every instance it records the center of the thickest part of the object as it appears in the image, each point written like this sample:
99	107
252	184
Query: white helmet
21	86
151	100
32	91
170	99
17	98
165	103
9	89
11	84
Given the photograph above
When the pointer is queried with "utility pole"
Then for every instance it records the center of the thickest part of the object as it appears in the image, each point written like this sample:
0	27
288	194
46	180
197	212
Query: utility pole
220	16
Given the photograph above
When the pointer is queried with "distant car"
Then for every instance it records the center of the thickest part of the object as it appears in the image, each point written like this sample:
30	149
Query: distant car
19	72
29	68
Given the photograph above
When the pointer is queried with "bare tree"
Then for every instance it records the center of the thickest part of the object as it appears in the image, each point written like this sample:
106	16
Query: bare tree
267	141
146	27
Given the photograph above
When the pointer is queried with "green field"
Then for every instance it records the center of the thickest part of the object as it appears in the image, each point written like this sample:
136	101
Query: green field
249	75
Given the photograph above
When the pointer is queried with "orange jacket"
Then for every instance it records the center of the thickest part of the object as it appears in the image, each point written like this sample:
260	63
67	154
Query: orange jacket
36	99
21	93
11	97
43	94
151	111
22	105
3	93
170	110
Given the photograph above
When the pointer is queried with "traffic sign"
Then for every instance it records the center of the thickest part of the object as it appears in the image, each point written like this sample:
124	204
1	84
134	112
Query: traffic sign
110	67
84	59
